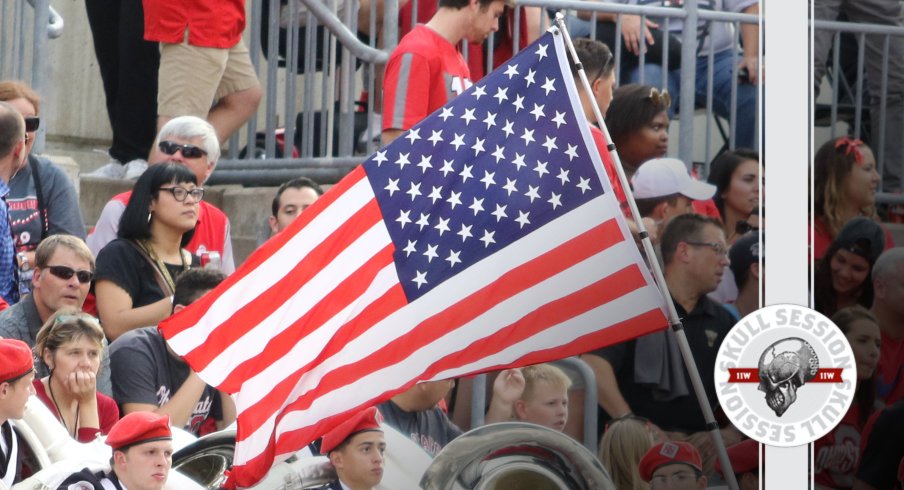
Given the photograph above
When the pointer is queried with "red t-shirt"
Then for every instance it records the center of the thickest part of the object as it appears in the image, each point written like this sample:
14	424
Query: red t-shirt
107	412
210	23
890	372
503	49
837	454
424	72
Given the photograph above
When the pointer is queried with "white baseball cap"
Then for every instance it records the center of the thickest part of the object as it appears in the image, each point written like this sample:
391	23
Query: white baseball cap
661	177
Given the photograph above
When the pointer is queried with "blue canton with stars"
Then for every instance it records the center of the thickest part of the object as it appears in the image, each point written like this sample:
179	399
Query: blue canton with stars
496	163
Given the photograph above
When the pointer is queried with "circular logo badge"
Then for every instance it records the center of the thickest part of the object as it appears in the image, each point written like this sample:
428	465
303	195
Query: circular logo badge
785	375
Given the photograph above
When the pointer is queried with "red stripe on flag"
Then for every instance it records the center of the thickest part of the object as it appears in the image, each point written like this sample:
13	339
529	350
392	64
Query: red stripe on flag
249	316
335	301
189	317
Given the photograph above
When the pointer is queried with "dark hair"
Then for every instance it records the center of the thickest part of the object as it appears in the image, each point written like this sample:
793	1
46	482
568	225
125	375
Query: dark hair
194	283
723	168
646	206
12	129
824	300
594	56
134	223
866	391
832	164
683	228
296	183
632	108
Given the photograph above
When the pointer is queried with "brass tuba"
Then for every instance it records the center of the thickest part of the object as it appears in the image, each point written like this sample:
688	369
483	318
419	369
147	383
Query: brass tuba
515	455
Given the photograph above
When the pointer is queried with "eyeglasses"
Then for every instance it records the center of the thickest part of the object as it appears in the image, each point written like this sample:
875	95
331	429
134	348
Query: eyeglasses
66	273
188	151
180	193
32	124
679	480
719	248
660	98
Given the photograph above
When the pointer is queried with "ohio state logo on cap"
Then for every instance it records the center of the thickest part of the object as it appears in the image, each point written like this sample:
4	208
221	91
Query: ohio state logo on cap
785	375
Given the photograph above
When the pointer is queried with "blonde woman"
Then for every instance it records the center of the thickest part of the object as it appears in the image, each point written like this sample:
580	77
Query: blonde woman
71	345
623	445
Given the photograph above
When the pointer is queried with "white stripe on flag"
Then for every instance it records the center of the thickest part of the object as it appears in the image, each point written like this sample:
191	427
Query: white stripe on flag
270	271
308	348
305	298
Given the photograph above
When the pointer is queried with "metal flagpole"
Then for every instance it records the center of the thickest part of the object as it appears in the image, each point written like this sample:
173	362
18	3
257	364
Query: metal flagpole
674	321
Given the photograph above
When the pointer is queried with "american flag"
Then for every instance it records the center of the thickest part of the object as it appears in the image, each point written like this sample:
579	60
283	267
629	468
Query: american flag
487	236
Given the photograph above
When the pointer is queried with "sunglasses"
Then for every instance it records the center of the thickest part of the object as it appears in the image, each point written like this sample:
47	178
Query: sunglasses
180	193
188	151
66	273
32	124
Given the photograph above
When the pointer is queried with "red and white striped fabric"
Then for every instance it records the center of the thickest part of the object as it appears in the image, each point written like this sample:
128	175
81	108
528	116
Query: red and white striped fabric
325	319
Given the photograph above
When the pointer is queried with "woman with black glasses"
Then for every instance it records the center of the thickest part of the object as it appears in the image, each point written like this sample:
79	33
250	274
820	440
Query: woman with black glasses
42	200
136	272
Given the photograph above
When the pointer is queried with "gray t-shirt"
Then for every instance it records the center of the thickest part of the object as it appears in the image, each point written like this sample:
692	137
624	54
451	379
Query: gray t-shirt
431	429
144	371
58	198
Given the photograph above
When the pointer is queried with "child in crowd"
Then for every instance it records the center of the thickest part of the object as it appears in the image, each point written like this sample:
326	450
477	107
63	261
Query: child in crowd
544	400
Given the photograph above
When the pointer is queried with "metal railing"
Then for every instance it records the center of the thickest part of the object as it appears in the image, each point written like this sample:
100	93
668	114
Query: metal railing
329	127
853	99
25	29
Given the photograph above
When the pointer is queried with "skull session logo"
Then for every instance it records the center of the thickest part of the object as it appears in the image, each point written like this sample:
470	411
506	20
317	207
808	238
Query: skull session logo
785	375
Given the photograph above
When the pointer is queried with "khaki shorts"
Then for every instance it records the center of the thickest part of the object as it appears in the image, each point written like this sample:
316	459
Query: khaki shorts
191	77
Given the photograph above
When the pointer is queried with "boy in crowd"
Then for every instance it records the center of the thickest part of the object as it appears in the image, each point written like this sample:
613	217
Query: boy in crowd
544	400
16	375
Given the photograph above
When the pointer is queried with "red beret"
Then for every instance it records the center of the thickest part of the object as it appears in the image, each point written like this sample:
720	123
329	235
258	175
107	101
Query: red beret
669	452
365	420
744	457
137	428
17	359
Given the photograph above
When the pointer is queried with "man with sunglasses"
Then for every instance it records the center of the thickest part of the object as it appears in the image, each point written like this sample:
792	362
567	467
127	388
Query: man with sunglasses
13	152
646	376
192	142
62	276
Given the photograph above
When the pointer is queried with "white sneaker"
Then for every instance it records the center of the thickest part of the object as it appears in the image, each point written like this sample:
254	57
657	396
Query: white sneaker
135	168
112	170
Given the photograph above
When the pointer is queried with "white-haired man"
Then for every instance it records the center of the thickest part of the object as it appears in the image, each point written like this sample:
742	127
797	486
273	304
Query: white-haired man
192	142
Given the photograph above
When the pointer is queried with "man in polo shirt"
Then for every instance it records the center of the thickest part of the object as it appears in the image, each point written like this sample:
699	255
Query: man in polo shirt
192	142
16	375
142	456
646	376
355	448
673	465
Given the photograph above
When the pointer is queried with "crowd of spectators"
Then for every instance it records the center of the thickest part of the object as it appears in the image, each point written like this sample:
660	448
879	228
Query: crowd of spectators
143	258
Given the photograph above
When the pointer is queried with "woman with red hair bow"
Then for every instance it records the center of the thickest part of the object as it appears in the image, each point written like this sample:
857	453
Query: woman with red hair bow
845	185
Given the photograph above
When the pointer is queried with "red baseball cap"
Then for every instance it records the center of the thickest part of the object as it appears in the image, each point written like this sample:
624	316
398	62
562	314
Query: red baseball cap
365	420
669	452
138	428
744	457
16	359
